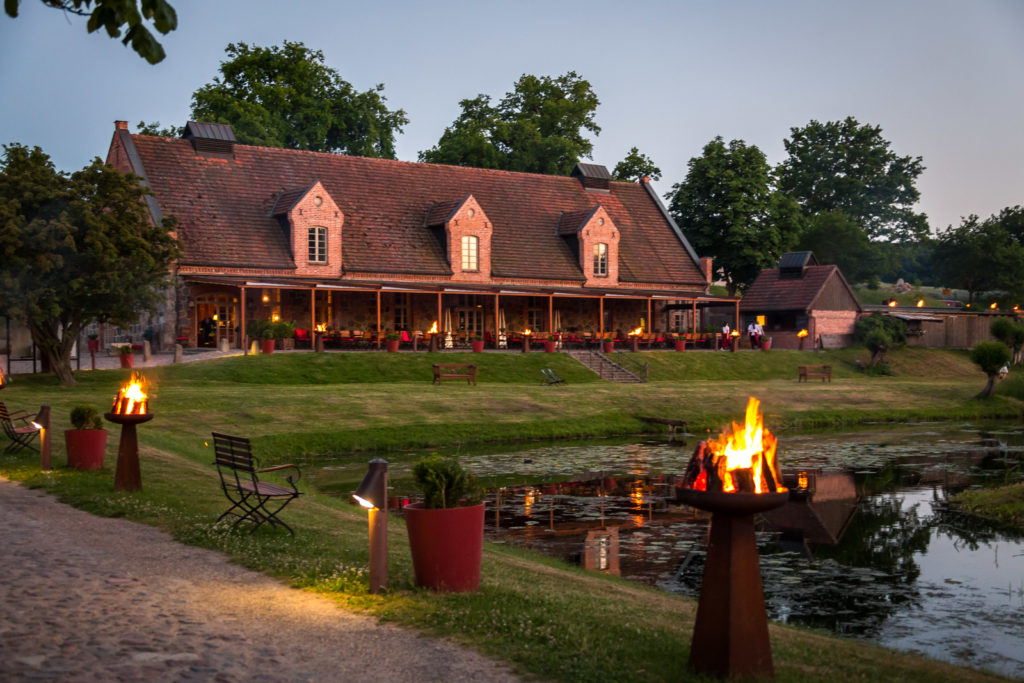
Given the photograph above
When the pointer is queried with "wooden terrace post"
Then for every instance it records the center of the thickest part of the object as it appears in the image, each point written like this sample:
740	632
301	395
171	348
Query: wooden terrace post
693	320
497	323
600	316
312	313
649	321
737	316
378	320
243	340
551	314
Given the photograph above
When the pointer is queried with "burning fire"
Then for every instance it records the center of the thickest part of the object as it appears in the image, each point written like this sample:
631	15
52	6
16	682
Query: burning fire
920	303
637	331
132	399
321	327
802	333
740	460
433	328
527	332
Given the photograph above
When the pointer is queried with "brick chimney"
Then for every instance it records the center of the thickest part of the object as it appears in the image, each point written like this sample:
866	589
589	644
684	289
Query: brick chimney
705	265
120	125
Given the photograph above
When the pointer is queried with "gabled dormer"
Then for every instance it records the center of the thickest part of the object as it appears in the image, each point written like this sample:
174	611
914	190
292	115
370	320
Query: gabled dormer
464	231
594	239
211	139
595	178
312	221
793	264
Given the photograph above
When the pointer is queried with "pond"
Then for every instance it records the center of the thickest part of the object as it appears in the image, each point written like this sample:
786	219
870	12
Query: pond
872	550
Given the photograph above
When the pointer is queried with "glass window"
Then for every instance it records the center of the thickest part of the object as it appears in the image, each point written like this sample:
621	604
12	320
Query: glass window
600	259
317	245
470	250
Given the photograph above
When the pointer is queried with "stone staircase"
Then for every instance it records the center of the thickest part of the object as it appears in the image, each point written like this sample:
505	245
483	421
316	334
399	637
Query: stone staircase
604	366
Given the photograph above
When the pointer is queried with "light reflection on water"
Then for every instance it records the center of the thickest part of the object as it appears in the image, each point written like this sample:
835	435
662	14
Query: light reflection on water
875	552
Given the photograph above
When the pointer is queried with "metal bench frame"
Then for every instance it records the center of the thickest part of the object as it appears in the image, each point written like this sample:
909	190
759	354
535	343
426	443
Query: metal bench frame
21	435
239	477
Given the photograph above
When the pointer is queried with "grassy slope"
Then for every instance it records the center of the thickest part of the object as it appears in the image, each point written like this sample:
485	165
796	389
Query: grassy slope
550	620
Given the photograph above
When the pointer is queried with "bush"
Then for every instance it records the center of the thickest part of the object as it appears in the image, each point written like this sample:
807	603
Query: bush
990	357
84	416
444	482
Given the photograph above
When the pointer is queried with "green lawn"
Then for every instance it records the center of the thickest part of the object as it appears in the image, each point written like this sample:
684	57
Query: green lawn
547	619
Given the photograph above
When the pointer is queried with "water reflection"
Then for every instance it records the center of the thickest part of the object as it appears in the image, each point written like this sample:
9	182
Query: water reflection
868	547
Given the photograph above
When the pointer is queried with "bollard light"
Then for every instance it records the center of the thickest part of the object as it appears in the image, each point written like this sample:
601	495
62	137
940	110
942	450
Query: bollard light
42	423
373	495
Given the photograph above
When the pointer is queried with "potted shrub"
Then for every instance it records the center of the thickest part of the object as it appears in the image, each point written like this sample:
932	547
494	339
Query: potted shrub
680	342
478	343
86	441
446	530
94	343
550	343
391	341
127	359
283	332
608	344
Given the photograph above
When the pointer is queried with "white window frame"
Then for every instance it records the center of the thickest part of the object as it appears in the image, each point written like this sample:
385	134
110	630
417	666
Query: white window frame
316	244
470	253
601	259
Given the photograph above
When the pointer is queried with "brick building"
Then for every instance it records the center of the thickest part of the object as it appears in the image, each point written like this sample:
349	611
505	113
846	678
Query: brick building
350	243
802	295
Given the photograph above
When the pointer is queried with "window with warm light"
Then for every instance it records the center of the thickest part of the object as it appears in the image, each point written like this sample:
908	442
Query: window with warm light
470	252
317	245
600	259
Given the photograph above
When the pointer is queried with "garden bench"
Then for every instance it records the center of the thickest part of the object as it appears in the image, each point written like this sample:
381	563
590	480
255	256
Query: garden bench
454	371
550	377
822	371
239	477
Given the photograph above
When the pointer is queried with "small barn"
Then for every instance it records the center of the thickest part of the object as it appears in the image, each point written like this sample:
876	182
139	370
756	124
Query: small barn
802	294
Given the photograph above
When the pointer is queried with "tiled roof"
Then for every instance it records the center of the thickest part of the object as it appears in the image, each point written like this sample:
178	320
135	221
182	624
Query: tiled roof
441	212
287	199
570	222
223	207
772	293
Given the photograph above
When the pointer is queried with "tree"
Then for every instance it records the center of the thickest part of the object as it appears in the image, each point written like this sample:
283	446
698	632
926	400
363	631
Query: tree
113	15
879	333
728	210
835	238
536	128
155	128
636	166
979	256
287	97
1011	333
990	357
75	249
846	166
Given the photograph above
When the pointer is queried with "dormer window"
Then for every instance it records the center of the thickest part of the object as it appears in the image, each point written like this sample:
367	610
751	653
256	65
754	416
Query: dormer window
600	260
470	253
317	244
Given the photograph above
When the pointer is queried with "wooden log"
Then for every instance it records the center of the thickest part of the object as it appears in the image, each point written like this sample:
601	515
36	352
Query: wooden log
743	478
697	464
769	476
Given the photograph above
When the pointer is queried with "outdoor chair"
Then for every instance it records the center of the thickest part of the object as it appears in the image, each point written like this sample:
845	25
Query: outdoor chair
19	428
550	377
259	502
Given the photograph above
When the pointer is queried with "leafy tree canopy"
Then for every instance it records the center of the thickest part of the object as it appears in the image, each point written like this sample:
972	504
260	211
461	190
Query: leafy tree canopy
116	15
636	166
728	210
879	333
990	356
75	249
538	127
836	238
979	256
847	166
154	128
287	97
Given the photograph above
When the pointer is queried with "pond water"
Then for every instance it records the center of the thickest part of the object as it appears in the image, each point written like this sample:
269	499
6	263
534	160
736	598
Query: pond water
872	551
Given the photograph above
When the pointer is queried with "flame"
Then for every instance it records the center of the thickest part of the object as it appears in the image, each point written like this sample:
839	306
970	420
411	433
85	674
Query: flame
994	305
637	331
892	303
433	328
802	333
734	333
920	303
527	331
132	399
321	327
801	480
746	447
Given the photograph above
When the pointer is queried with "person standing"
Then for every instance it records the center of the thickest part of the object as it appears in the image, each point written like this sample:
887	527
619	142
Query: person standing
726	340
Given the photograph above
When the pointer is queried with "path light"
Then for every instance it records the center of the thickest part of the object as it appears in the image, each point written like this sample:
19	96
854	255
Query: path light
373	495
42	423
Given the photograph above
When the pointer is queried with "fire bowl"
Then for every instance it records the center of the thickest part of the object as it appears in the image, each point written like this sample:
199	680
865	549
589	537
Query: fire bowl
117	418
732	503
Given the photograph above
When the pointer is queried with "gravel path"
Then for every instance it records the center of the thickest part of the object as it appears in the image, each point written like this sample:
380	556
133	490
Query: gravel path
85	598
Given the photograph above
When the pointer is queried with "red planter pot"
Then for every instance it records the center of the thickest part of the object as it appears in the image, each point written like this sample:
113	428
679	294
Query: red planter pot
86	448
391	345
127	360
266	345
94	345
608	347
478	345
680	344
549	346
766	344
446	546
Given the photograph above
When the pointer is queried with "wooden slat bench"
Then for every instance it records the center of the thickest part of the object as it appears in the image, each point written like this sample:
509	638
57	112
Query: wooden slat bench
822	371
455	371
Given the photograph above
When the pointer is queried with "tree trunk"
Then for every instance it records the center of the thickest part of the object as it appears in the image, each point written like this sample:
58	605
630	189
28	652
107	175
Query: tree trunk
990	388
55	349
877	356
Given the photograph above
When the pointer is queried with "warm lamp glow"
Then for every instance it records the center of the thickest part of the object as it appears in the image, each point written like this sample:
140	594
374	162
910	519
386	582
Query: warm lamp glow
266	299
734	333
275	317
433	328
362	501
802	333
215	316
801	480
527	331
892	303
321	327
994	305
637	331
920	303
